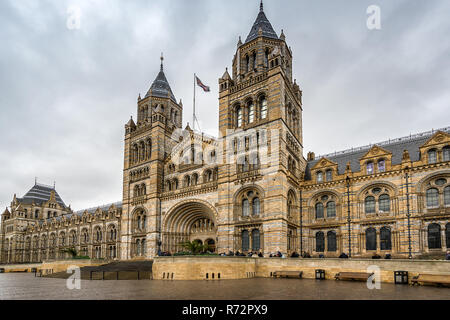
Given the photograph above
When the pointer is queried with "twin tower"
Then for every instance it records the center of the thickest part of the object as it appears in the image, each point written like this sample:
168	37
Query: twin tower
240	205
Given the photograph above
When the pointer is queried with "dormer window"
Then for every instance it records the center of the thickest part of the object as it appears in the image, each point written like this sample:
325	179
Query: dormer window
369	167
381	165
329	175
319	177
432	156
446	153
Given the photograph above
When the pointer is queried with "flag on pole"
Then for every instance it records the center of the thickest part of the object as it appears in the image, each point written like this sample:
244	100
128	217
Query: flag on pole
201	85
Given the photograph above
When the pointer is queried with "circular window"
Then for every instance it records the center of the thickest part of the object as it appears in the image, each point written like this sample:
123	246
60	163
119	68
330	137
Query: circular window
376	190
440	182
324	198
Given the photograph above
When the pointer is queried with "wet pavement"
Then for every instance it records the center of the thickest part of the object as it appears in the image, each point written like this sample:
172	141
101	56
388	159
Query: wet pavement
27	287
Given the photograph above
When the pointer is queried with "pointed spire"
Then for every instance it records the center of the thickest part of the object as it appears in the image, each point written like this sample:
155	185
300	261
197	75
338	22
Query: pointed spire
162	61
239	42
282	36
263	23
261	6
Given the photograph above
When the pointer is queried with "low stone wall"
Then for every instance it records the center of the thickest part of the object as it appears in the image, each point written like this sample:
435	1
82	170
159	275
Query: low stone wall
19	267
48	267
201	268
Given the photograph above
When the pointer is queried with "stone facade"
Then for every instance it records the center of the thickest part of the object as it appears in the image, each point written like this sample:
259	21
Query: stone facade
250	189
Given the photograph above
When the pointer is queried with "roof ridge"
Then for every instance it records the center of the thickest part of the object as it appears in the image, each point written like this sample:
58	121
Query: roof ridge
411	137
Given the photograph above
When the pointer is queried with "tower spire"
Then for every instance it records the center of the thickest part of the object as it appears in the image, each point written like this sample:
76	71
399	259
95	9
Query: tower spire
261	6
162	59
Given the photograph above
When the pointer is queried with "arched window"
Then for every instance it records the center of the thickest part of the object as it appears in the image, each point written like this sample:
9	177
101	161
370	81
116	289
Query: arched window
432	156
331	209
446	153
319	210
245	208
245	240
432	196
384	203
255	240
371	239
320	242
263	107
329	175
254	60
434	236
331	240
385	238
143	247
238	117
247	63
447	196
255	205
369	204
251	112
319	176
369	167
266	58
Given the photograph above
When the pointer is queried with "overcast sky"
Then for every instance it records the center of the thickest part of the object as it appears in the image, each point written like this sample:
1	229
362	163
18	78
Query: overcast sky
66	94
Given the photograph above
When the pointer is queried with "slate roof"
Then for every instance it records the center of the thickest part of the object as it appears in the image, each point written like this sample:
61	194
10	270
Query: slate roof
396	147
40	193
263	23
161	88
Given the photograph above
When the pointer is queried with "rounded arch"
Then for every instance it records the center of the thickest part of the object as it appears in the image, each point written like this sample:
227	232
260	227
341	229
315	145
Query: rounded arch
182	215
248	188
421	185
374	184
311	201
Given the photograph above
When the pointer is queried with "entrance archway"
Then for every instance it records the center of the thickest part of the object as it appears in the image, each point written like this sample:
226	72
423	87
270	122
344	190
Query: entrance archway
189	221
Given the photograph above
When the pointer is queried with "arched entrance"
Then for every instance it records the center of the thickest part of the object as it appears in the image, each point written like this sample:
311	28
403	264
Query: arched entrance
189	221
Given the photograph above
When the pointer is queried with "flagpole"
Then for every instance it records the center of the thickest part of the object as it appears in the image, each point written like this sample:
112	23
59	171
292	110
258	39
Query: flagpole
193	112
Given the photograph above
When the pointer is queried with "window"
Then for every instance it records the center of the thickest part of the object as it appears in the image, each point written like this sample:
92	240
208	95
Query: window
447	196
251	112
245	207
446	153
319	177
371	239
319	210
432	156
263	107
331	239
320	242
329	175
255	240
255	206
434	236
238	117
245	240
384	203
369	167
254	60
266	58
385	238
331	209
381	166
369	204
432	196
247	63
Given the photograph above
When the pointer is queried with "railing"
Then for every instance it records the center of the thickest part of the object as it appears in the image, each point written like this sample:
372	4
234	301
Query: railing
248	83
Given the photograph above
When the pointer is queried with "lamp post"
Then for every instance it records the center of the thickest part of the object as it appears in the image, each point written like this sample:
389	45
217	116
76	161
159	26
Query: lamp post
301	223
408	214
347	180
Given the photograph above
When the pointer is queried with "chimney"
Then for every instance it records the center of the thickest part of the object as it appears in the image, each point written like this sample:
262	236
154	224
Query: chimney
311	156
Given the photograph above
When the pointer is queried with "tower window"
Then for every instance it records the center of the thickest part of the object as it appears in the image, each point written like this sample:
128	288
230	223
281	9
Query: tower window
251	112
238	117
263	107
